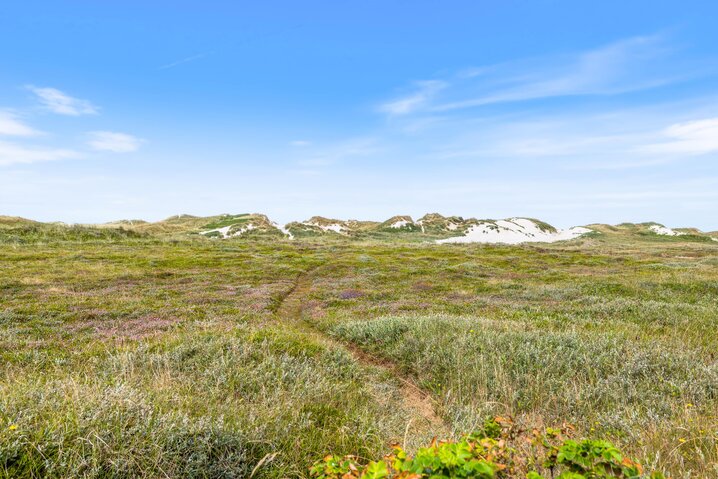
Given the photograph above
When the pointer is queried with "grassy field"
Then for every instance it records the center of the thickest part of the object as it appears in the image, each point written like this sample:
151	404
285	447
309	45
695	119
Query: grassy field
131	355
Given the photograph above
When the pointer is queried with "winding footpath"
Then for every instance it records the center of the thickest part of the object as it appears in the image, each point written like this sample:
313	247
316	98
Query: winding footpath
415	399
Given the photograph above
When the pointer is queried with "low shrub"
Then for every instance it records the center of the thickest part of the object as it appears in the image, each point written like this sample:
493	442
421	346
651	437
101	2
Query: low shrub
498	450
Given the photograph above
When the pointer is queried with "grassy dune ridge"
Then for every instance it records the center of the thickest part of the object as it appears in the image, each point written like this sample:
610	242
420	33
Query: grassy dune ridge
137	355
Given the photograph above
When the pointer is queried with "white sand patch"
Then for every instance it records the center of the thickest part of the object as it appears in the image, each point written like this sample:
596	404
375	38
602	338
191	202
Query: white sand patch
224	231
244	229
335	227
662	230
284	230
399	224
452	227
514	231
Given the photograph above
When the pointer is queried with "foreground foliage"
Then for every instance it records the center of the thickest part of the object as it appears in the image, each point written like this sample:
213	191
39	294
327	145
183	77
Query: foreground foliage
496	451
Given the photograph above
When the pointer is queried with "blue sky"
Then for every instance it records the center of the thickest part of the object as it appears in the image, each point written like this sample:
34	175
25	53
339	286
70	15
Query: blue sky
570	111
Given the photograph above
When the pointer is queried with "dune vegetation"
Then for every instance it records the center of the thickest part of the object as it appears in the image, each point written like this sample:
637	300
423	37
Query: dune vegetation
139	352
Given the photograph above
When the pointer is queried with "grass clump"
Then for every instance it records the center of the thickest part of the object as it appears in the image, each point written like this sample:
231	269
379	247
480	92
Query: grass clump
116	432
195	405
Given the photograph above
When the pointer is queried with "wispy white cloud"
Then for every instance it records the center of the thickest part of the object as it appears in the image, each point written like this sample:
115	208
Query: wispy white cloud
61	103
612	69
424	91
300	143
10	125
628	65
114	141
13	153
182	61
696	137
567	140
338	152
21	152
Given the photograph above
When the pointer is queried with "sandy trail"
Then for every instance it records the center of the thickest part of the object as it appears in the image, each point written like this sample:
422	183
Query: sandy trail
414	398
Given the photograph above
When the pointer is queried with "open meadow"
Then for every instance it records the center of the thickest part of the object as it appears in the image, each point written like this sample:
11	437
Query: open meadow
127	354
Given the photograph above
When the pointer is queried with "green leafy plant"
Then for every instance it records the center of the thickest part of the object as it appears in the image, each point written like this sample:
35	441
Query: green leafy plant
489	453
591	459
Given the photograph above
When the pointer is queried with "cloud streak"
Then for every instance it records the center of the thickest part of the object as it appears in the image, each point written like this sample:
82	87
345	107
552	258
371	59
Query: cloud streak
613	69
314	160
628	65
13	154
696	137
113	141
10	125
183	61
424	92
61	103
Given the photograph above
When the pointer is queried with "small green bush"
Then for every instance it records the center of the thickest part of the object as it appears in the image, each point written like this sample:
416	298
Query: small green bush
497	451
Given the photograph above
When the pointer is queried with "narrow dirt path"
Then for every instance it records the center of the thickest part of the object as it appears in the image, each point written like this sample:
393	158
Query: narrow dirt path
414	398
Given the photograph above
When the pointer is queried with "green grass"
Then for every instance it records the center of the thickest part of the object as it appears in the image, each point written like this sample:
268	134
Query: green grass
228	220
198	405
42	234
126	354
606	384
